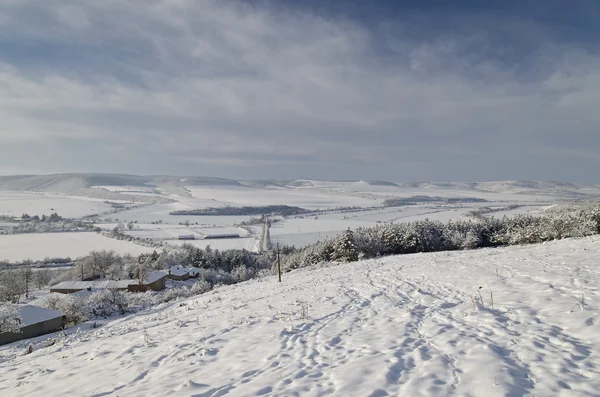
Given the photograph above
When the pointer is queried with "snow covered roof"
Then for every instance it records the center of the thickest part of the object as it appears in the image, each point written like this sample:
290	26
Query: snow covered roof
194	271
73	285
155	276
178	271
84	293
99	284
34	314
113	284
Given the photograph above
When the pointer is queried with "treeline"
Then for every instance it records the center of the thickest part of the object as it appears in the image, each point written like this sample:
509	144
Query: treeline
52	223
414	200
46	262
431	236
480	212
282	210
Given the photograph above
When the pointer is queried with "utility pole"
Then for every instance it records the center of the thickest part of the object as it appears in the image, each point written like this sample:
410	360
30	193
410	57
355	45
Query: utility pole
278	262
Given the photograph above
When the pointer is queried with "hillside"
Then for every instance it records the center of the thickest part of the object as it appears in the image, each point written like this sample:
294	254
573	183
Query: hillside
81	184
410	325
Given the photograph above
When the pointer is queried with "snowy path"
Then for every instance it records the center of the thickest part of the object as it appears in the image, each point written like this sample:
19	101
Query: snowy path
398	326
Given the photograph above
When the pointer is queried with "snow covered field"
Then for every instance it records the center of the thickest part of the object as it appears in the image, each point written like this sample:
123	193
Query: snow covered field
409	325
37	246
302	197
18	203
222	244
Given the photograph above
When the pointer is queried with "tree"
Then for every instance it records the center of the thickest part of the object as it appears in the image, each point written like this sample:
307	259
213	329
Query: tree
26	277
10	320
130	225
11	286
344	248
142	273
42	278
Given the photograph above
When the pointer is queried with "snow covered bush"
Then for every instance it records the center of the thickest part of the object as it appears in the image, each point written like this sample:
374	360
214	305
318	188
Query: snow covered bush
10	320
142	300
201	287
106	303
74	307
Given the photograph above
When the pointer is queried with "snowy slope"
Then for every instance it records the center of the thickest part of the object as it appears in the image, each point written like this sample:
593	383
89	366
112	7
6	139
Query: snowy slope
398	326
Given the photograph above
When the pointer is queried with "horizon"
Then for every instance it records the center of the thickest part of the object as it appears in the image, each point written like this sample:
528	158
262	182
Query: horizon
83	174
328	90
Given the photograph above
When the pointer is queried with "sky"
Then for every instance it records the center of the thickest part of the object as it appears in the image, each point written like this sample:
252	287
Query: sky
328	89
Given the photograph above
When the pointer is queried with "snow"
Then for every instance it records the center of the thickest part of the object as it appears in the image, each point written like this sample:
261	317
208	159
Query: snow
32	315
37	246
178	271
305	198
15	204
247	243
155	276
404	325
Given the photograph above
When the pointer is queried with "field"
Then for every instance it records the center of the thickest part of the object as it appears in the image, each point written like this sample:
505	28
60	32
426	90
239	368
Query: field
336	206
37	246
13	203
494	322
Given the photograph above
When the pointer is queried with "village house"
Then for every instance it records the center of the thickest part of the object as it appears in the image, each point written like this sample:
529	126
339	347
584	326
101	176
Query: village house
179	273
68	287
194	272
155	281
35	321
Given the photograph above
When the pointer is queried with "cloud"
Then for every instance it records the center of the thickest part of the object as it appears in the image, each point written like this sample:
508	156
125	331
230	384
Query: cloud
246	89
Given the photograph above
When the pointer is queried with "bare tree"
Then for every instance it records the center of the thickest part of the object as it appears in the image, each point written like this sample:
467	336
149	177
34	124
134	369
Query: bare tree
27	278
142	274
42	278
11	286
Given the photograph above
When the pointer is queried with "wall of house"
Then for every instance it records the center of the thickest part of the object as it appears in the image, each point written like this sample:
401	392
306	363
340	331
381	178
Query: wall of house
65	291
31	331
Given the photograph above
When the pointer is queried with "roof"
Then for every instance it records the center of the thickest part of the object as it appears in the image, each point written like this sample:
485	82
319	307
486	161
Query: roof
85	293
72	285
98	284
113	284
195	270
178	271
155	276
33	315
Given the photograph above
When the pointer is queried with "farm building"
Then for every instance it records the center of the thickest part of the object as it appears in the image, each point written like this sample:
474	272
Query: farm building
68	287
179	273
35	321
220	235
194	272
155	281
186	237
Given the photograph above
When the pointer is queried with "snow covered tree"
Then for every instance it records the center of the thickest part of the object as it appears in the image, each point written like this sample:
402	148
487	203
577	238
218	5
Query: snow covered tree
41	278
10	320
344	248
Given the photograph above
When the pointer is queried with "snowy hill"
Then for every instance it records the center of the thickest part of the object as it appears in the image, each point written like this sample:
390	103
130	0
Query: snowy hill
80	184
413	325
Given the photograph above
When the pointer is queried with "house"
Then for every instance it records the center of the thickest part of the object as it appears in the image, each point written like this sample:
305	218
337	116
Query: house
221	235
155	281
35	321
68	287
194	272
179	273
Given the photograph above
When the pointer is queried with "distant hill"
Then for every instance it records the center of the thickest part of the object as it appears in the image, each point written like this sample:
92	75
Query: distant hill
91	185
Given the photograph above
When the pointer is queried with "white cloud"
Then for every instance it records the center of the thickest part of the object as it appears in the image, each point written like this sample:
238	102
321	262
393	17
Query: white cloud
245	90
